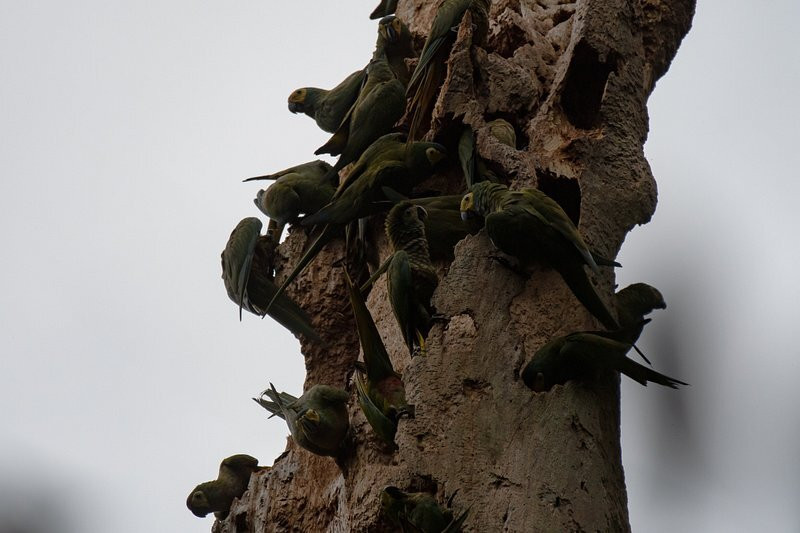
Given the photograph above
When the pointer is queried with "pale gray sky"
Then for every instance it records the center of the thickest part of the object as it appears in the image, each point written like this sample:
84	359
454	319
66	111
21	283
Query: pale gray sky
126	128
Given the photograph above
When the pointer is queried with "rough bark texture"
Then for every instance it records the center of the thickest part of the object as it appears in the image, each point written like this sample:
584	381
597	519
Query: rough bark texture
573	78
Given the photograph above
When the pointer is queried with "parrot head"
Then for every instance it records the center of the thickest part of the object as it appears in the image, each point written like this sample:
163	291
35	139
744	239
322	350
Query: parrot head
197	502
391	29
480	199
279	202
241	461
259	201
535	377
387	28
392	501
297	100
468	206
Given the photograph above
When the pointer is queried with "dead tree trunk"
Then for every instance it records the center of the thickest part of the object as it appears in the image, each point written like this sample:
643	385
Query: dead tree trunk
573	78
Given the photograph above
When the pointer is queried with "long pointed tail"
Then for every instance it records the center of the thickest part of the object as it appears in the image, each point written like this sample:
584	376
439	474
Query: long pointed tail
642	374
578	281
311	253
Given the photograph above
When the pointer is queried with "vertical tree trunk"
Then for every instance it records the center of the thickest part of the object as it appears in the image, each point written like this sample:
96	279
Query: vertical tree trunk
573	78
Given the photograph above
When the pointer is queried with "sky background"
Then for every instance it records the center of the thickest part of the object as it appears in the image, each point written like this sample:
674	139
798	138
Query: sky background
125	131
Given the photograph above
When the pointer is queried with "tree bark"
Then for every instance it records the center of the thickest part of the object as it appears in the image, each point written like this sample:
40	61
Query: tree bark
573	78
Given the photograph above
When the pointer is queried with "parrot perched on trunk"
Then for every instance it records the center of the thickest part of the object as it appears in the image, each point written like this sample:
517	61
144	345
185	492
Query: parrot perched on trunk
317	420
411	277
386	7
299	190
581	355
379	105
218	495
398	166
531	226
418	512
471	164
633	303
328	107
248	277
388	163
430	71
394	40
381	395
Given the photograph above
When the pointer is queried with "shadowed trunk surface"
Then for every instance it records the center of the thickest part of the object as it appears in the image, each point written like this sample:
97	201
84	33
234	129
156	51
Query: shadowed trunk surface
573	78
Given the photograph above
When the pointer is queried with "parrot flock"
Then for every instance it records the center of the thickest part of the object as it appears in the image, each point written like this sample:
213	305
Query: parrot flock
377	117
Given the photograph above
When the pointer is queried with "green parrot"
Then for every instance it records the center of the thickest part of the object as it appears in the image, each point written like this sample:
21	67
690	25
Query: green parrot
471	164
328	107
410	274
633	303
396	165
386	7
418	512
378	107
381	395
395	40
298	190
580	355
431	69
317	420
531	226
218	495
388	163
248	277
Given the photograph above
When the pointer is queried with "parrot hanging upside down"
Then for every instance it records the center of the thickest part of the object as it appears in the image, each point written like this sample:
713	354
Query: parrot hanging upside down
248	278
317	420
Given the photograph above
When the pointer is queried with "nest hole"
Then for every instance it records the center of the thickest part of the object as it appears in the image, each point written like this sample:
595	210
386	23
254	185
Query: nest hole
585	85
565	191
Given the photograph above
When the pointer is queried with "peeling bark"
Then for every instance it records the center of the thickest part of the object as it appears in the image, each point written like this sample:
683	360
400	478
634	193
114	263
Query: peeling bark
573	78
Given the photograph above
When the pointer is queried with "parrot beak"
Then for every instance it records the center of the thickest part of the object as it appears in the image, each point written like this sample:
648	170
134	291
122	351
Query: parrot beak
295	107
466	215
421	213
538	383
391	34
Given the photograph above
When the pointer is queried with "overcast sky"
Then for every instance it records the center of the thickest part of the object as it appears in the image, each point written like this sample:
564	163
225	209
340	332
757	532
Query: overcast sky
126	128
